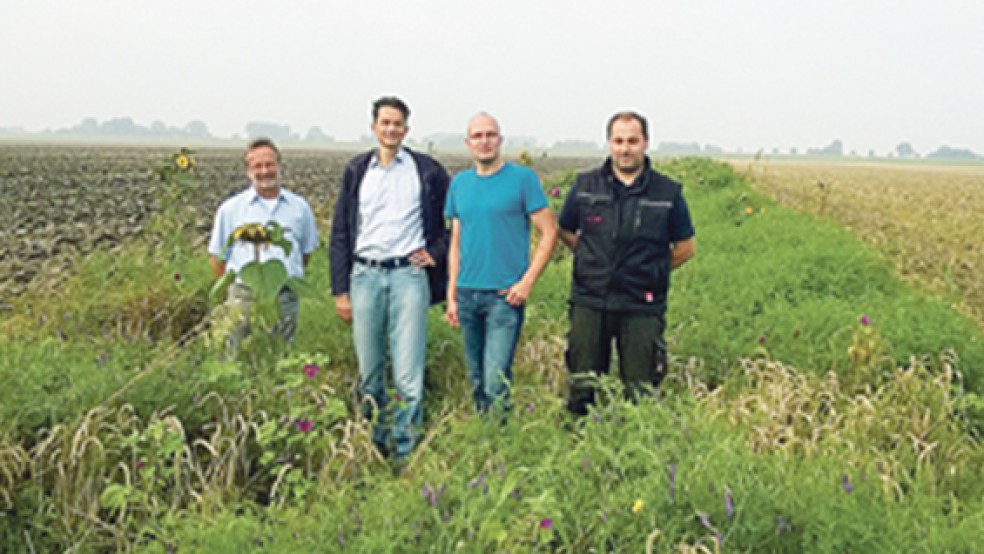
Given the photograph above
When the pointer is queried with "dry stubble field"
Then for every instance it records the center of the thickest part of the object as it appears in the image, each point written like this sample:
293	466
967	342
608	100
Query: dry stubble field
929	219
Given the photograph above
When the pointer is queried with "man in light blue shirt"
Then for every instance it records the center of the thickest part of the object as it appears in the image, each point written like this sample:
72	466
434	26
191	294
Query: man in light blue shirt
264	201
490	275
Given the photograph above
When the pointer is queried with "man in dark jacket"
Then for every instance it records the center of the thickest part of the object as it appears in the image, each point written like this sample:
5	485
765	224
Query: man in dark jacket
388	264
628	227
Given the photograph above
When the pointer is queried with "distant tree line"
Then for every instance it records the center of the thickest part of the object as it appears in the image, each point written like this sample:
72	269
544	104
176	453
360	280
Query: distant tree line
125	127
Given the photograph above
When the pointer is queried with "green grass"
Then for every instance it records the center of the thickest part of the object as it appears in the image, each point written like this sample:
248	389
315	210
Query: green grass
203	456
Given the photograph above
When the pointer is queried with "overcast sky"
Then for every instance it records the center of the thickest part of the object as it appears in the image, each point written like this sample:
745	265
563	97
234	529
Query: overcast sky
743	74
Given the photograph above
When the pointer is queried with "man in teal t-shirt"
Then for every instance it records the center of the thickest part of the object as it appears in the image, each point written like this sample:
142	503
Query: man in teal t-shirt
490	274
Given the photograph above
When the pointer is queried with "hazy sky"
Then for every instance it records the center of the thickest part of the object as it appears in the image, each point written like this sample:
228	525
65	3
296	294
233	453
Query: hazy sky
744	74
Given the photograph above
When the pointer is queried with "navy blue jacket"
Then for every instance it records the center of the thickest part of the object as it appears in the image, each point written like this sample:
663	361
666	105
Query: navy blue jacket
344	226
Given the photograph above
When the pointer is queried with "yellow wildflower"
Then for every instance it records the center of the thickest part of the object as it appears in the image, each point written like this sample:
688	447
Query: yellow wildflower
749	210
637	506
182	161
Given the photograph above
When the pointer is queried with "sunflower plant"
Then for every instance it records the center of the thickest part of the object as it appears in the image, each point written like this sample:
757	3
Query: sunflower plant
264	278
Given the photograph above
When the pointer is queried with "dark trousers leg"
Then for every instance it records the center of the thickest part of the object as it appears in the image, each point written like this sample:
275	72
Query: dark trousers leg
588	355
641	352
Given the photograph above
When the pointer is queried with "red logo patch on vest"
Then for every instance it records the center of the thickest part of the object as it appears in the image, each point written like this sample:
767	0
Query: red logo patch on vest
649	296
594	219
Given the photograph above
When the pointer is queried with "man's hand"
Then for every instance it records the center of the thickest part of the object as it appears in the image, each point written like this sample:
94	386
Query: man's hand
451	314
421	258
343	307
517	294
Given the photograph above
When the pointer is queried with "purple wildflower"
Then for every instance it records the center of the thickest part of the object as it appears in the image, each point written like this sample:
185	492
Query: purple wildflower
865	320
311	370
782	525
846	484
431	495
672	475
139	464
555	192
546	523
304	425
478	480
177	277
729	503
530	408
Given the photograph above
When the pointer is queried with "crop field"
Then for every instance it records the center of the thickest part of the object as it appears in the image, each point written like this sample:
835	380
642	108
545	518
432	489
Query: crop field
926	218
815	400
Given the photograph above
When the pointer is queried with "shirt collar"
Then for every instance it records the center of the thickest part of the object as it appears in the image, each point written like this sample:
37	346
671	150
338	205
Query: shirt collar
255	196
401	158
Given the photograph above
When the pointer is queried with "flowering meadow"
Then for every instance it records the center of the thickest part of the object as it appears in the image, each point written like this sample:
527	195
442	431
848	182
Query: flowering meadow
815	402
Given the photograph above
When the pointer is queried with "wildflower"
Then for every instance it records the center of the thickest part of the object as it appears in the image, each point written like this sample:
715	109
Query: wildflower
761	340
749	210
478	480
177	277
139	464
782	525
431	495
530	408
183	162
546	523
762	210
672	476
706	522
304	425
729	503
555	192
846	484
311	370
399	397
638	505
865	320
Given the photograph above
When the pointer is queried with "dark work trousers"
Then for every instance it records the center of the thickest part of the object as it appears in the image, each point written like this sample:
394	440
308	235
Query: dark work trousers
641	352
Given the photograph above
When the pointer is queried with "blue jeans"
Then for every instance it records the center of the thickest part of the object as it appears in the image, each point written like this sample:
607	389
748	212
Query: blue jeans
490	328
389	309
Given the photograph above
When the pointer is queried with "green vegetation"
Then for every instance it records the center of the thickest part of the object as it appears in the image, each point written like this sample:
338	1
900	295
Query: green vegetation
815	404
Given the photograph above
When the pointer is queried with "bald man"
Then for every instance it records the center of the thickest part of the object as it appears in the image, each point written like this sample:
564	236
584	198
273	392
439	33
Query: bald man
490	275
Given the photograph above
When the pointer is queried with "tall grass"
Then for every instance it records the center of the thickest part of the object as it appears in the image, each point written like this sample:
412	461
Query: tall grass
787	422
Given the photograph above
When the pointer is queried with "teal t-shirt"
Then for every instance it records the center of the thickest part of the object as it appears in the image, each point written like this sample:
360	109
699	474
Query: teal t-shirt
493	215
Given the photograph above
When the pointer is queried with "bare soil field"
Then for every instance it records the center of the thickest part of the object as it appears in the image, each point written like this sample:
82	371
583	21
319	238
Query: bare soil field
61	202
929	219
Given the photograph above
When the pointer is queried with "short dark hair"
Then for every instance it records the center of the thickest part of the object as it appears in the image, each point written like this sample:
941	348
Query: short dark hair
628	115
390	102
260	142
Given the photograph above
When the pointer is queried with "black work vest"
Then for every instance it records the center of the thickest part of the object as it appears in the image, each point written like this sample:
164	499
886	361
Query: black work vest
622	259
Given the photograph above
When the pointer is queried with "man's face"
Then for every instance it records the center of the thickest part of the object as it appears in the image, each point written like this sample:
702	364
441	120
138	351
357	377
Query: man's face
627	145
390	127
483	139
262	168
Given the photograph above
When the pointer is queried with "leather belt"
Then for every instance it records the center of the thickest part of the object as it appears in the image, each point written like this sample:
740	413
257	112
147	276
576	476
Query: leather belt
388	263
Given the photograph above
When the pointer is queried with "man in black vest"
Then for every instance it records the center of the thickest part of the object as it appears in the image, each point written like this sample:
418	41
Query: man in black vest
628	227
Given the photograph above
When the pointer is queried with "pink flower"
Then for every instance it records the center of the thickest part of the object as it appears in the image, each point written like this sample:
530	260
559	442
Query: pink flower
177	277
555	192
304	425
139	464
311	371
546	523
865	320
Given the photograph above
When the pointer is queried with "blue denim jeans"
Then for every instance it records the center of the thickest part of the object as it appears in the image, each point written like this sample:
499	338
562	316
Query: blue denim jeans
389	311
490	328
